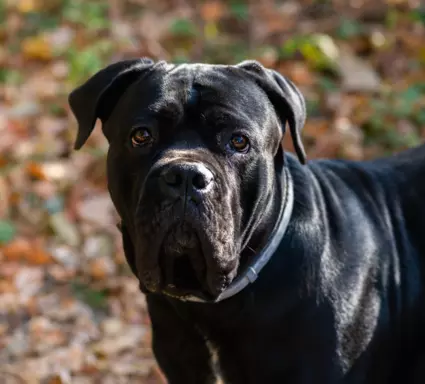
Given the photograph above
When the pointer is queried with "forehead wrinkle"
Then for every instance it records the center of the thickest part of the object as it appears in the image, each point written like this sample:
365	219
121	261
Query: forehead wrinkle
227	115
176	91
218	88
201	89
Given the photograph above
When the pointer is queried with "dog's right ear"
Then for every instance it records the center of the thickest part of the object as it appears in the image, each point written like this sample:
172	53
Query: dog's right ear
288	101
97	97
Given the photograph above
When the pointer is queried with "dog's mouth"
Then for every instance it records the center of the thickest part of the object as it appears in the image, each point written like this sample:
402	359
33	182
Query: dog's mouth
182	263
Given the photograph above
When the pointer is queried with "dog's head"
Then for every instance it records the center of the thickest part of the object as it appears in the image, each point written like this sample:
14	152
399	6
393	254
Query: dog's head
194	151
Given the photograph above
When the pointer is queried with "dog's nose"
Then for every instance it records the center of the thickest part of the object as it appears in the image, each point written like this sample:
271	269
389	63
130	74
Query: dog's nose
186	179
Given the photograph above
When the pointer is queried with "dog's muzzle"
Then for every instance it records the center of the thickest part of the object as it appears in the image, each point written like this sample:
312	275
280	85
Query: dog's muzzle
186	188
184	180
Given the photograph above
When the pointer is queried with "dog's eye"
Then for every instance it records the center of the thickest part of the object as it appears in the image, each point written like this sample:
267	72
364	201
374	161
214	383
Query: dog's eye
239	143
141	137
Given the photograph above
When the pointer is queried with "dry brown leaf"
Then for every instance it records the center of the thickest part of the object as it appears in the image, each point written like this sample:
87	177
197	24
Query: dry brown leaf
4	197
37	47
7	287
21	249
212	10
16	250
111	346
61	378
26	6
316	128
300	74
101	268
36	171
40	255
32	6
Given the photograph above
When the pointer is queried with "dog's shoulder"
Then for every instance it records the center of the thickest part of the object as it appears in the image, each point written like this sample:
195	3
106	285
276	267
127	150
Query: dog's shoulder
397	171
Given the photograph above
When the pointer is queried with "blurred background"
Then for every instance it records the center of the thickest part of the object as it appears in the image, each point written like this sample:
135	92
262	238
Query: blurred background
70	311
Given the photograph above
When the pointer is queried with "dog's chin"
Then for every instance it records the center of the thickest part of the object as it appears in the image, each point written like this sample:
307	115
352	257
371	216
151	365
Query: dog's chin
182	263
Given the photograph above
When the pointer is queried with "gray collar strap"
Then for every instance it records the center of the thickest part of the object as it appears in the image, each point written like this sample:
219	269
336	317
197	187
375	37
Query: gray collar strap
251	274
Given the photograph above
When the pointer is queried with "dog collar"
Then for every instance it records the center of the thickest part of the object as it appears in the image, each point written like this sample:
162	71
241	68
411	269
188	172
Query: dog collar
251	273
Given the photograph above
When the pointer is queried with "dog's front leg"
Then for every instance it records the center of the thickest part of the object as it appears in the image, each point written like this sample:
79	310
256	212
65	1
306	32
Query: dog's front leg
179	349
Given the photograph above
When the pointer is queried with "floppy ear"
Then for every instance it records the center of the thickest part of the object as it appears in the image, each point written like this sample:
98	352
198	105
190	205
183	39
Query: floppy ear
97	97
286	98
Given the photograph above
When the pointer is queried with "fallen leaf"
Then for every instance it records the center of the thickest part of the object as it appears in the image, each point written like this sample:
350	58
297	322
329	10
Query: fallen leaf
63	377
23	109
65	229
39	254
111	346
29	281
37	47
26	6
316	128
357	74
212	10
299	73
21	249
97	210
112	326
102	267
36	171
98	246
4	200
65	255
7	232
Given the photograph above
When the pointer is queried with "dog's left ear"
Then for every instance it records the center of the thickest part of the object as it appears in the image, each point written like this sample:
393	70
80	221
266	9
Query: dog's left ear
287	100
97	97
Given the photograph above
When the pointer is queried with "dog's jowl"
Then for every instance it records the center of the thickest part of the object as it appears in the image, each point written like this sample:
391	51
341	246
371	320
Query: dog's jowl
256	265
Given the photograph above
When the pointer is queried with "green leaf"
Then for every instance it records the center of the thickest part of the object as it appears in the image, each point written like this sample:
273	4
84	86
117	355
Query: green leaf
349	28
327	84
2	11
313	107
93	15
319	50
240	10
7	231
183	27
11	76
379	106
83	64
180	58
418	15
57	109
36	21
94	298
420	117
290	47
407	101
392	18
3	75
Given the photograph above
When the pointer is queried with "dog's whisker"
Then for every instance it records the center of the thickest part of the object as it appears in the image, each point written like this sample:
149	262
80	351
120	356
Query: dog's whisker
251	249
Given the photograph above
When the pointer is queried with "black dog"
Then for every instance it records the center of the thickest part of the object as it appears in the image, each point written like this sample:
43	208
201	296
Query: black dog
208	198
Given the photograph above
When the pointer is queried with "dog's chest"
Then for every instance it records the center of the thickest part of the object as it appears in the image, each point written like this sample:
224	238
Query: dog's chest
215	361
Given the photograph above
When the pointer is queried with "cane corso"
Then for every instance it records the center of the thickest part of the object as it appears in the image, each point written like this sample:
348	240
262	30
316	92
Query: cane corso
257	267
